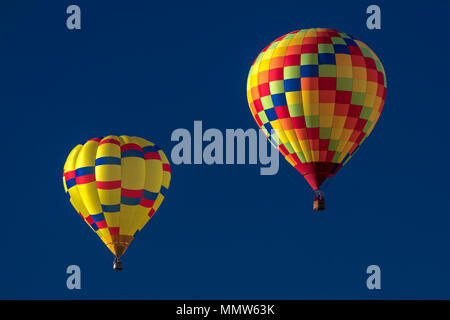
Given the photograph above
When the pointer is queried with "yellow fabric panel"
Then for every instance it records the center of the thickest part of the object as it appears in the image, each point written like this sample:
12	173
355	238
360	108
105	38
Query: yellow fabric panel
326	121
311	102
359	73
265	62
133	178
345	135
153	180
306	150
292	137
154	175
338	123
166	174
88	191
343	59
372	88
294	97
249	96
344	71
369	100
165	182
109	173
254	75
75	198
315	154
326	109
279	131
336	131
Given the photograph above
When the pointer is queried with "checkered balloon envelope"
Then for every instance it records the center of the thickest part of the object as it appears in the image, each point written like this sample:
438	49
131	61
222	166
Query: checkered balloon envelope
317	95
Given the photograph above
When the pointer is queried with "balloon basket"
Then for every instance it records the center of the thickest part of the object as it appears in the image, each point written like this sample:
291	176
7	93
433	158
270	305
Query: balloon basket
319	201
117	265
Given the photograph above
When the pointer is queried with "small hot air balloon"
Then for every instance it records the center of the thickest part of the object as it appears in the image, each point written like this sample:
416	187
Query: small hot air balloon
316	94
116	184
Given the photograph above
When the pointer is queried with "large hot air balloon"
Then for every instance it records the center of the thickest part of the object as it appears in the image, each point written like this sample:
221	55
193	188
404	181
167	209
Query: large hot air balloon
116	184
316	94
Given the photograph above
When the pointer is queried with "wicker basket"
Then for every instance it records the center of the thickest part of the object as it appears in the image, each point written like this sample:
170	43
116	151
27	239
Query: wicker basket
319	204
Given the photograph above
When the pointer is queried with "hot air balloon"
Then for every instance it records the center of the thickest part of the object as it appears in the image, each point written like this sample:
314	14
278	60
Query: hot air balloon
317	95
116	184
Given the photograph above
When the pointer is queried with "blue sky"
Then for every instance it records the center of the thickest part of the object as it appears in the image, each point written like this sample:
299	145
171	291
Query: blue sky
224	231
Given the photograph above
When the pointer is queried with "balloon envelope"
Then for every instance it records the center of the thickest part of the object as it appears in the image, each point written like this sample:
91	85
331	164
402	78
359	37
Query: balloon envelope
316	94
116	184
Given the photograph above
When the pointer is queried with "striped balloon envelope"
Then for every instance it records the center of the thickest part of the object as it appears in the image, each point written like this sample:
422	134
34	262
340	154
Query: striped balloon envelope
116	184
317	95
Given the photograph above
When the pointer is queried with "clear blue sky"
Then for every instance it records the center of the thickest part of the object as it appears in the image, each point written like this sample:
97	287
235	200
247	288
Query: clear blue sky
143	68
